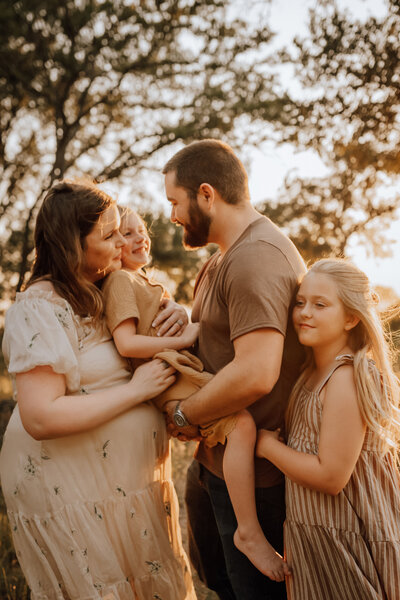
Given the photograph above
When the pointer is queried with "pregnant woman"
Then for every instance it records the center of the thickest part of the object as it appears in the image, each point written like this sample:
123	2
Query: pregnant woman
85	466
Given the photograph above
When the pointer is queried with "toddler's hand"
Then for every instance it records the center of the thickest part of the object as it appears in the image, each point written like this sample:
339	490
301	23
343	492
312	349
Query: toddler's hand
189	335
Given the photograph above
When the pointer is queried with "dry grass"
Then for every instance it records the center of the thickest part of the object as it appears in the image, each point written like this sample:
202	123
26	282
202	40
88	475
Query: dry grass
182	454
12	582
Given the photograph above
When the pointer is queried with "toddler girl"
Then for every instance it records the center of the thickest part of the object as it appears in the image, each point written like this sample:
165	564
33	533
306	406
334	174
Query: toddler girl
132	301
342	529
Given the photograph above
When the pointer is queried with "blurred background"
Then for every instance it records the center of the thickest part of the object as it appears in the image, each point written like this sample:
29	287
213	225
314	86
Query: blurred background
307	92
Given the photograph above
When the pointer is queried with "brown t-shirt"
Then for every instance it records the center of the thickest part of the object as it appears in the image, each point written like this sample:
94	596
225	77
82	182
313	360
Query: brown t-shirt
250	288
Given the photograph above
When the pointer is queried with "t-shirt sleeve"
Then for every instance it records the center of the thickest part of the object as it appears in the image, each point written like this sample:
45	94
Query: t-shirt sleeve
39	332
260	284
120	299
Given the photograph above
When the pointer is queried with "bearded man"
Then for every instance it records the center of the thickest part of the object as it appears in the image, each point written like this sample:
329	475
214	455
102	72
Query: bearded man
242	300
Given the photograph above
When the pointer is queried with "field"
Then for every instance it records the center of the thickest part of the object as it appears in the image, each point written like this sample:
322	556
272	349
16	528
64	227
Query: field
181	458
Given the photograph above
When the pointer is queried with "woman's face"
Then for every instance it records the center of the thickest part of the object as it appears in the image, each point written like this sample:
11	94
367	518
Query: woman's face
135	253
102	247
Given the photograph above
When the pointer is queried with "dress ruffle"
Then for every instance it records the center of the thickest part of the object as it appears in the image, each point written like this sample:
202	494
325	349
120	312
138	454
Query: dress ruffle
129	521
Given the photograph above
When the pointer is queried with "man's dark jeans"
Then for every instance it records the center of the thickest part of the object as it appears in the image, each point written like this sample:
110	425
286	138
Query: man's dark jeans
211	525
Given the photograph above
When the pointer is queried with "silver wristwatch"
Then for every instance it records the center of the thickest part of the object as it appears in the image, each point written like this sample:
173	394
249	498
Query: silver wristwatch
179	417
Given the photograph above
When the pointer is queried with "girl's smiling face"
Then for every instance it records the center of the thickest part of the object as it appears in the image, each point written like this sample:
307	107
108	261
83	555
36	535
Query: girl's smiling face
319	316
135	253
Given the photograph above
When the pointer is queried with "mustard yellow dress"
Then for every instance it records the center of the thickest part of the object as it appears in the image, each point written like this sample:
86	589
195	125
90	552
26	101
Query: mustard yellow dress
93	515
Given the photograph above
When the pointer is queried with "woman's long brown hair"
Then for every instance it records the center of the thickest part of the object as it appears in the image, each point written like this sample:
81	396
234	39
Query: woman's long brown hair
68	214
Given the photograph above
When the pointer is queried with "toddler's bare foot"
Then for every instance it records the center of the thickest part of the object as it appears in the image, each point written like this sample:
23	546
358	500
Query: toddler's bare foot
260	552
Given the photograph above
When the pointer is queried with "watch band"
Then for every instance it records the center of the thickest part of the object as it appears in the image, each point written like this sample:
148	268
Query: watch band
179	417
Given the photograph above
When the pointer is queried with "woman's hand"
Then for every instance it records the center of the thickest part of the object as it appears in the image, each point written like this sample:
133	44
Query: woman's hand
172	319
151	379
264	440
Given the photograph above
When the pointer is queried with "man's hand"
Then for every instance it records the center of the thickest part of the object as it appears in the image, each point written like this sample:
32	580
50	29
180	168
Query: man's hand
183	434
172	319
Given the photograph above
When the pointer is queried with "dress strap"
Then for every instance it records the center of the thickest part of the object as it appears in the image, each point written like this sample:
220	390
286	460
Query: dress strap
342	359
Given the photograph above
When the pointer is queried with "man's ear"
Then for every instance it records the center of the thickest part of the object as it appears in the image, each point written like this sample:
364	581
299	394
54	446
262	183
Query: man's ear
351	322
206	196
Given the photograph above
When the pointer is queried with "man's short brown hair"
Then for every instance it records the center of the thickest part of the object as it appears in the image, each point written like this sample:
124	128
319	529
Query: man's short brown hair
213	162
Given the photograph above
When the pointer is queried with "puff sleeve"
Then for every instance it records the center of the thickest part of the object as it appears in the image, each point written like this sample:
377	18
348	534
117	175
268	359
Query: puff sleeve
40	330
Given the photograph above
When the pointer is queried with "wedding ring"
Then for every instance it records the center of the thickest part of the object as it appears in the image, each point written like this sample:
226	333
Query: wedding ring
180	322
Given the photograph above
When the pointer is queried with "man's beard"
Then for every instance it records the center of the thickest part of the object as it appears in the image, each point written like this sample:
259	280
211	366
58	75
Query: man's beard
197	230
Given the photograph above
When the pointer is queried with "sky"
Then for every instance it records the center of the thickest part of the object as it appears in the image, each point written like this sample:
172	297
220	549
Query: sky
268	165
381	271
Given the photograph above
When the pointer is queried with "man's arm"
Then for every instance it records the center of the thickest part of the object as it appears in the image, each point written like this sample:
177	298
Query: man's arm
250	375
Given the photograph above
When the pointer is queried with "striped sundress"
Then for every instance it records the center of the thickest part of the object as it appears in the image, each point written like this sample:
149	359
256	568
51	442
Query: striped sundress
344	547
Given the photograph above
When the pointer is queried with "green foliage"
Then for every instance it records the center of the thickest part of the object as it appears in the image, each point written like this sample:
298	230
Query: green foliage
103	86
107	87
349	73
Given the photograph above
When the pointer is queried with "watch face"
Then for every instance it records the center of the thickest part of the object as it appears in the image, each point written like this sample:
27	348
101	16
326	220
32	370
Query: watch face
179	420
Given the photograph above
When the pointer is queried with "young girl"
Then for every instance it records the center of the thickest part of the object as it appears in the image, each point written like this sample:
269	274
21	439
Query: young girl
342	530
132	301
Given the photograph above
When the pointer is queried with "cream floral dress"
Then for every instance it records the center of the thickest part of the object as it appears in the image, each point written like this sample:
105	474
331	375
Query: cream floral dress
93	515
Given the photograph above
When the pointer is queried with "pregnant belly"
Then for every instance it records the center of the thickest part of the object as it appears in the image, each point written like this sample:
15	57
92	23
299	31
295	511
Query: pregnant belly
126	454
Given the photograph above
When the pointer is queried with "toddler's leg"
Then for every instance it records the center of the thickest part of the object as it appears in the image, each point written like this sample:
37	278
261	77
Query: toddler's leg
238	468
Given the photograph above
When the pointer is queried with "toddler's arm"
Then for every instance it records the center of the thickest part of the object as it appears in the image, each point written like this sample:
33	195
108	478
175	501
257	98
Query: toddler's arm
133	345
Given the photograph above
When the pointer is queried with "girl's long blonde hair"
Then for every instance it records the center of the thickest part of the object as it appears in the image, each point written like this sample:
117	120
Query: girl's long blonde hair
377	388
